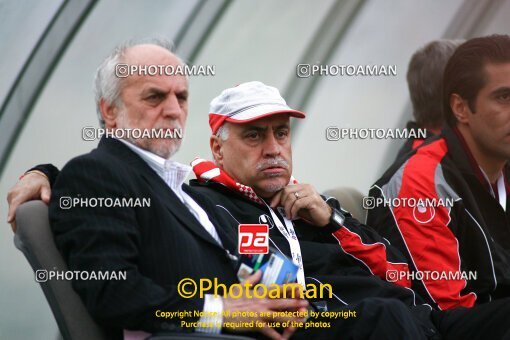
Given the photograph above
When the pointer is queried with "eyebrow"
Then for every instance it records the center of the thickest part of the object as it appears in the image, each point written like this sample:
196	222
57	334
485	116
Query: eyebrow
260	128
159	91
500	90
254	128
282	126
153	90
184	93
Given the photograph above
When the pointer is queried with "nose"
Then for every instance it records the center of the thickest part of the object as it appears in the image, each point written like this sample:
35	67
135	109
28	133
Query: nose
272	147
171	107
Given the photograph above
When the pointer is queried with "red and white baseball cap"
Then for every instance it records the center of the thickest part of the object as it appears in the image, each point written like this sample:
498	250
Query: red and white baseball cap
247	102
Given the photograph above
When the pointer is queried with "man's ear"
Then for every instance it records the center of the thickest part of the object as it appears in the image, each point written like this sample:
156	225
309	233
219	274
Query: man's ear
460	108
109	113
216	144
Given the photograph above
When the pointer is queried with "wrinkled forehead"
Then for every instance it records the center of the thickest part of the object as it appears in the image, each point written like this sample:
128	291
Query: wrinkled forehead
273	122
146	65
497	74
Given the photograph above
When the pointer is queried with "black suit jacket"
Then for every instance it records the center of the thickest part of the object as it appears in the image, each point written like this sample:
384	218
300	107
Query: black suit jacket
157	246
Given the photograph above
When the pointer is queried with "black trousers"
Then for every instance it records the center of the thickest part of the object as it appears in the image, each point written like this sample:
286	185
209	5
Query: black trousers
383	318
487	321
376	318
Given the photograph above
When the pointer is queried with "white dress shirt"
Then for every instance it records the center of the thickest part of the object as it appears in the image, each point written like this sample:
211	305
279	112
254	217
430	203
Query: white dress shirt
174	174
500	185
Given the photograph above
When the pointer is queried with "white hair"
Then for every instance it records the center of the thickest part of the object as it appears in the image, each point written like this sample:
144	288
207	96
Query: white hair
222	132
107	84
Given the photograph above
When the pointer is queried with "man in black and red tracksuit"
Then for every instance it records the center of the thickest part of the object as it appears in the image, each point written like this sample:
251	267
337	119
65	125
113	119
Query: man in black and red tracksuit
425	83
460	230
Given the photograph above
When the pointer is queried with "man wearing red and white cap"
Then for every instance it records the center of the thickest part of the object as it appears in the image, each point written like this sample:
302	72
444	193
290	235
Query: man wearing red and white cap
252	120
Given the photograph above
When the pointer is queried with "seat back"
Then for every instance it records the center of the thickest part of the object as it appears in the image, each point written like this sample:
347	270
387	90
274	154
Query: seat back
34	238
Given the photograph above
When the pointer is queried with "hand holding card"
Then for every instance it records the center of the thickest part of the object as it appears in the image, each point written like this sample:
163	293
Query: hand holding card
276	267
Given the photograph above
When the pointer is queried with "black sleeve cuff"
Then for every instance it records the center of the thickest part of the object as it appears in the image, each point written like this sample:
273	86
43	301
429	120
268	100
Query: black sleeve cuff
49	170
332	226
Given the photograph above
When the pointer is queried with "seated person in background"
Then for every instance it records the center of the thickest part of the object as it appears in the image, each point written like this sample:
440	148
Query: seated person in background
461	228
248	189
425	84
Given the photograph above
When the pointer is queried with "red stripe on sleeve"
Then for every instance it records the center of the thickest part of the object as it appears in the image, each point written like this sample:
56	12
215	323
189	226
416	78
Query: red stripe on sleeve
373	256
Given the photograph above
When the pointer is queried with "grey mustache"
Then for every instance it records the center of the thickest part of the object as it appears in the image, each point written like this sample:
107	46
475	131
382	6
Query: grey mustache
275	162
